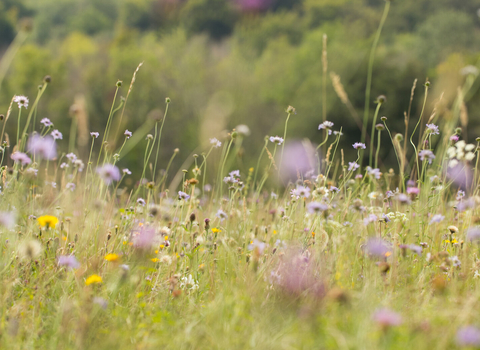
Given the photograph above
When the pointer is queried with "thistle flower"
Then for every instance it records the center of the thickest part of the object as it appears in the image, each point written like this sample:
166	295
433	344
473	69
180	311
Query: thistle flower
69	261
128	134
57	135
22	158
359	145
21	101
108	173
276	140
42	147
468	336
432	129
94	134
46	122
413	190
215	142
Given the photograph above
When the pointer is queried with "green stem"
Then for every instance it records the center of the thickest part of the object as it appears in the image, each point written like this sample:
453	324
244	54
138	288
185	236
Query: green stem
372	141
418	123
378	148
159	139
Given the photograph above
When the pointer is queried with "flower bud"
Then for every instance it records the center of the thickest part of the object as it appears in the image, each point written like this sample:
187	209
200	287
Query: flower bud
290	110
399	137
381	99
379	127
47	79
383	119
167	100
119	83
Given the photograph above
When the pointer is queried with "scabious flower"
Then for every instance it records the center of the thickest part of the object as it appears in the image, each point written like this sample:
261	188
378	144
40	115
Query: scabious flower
298	160
21	101
128	134
326	125
432	129
71	157
93	279
426	155
373	172
466	204
57	135
126	171
276	140
460	195
221	215
403	198
7	219
437	218
352	166
46	122
22	158
183	195
108	173
257	246
386	318
42	147
141	201
369	219
145	237
215	142
377	247
473	234
413	190
316	207
48	221
468	336
70	186
69	261
301	191
94	134
359	145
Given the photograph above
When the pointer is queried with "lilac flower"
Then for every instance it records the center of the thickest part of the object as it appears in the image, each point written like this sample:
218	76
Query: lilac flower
359	145
230	180
473	234
433	129
70	186
377	247
215	142
316	207
46	122
71	157
57	135
94	134
454	138
257	246
468	336
385	218
21	158
437	218
145	237
387	318
69	261
352	166
426	155
126	171
108	173
64	165
403	198
183	195
128	134
466	204
221	215
7	219
460	195
100	302
276	140
413	190
42	147
326	125
298	160
234	173
141	201
415	248
22	101
301	191
369	219
373	172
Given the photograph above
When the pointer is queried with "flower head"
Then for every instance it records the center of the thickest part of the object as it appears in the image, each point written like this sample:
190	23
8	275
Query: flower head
276	140
326	125
112	257
352	166
128	134
43	147
47	221
7	219
21	100
387	318
94	134
57	135
437	218
359	145
183	195
21	158
377	247
215	142
109	173
93	279
468	336
432	129
221	215
46	122
69	261
426	155
316	207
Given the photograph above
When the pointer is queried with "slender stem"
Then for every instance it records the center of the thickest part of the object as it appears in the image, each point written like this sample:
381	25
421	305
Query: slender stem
378	148
370	159
18	128
418	123
33	110
258	163
106	127
159	139
284	141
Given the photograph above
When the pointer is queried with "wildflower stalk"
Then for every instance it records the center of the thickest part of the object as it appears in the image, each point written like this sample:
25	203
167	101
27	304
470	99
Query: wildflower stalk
10	54
370	69
33	111
378	148
400	165
427	84
265	176
334	151
284	138
160	137
164	177
18	128
475	182
105	134
204	165
258	163
223	165
372	141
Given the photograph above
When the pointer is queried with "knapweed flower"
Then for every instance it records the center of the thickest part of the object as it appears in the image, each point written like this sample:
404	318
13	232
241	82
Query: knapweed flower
7	219
128	134
69	261
94	134
386	318
316	207
468	336
352	166
377	247
473	234
276	140
432	129
93	279
46	122
426	155
359	145
183	195
221	215
437	218
215	143
413	190
57	135
21	101
43	147
326	125
47	221
108	173
22	158
112	257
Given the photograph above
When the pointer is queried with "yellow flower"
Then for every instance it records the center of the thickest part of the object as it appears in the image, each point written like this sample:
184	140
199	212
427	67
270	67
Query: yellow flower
93	279
154	259
112	257
313	234
216	230
48	221
274	232
166	238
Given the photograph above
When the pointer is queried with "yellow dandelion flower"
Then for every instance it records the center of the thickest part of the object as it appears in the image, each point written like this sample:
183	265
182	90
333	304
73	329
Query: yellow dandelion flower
93	279
162	246
156	251
387	254
112	257
274	232
48	221
313	234
154	259
166	238
216	230
64	238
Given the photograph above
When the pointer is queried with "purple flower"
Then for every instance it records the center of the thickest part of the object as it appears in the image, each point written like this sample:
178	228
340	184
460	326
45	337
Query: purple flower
257	246
433	129
276	140
141	201
7	219
352	166
71	157
461	174
473	234
374	172
377	247
468	336
100	302
22	101
145	237
326	125
108	173
234	173
403	198
69	261
437	218
316	207
57	135
369	219
426	155
128	134
253	5
46	122
126	171
387	318
221	215
183	195
301	191
359	145
385	218
413	190
94	134
42	147
298	160
466	204
454	138
70	186
21	158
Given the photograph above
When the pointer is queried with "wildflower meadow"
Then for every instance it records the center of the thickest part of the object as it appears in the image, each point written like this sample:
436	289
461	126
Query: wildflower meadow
306	244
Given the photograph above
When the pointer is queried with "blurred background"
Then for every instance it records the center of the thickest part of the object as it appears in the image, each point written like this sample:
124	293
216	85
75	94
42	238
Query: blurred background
230	62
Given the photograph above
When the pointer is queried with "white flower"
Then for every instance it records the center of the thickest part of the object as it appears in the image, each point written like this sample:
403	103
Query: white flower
461	144
469	147
22	101
469	156
188	283
453	163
